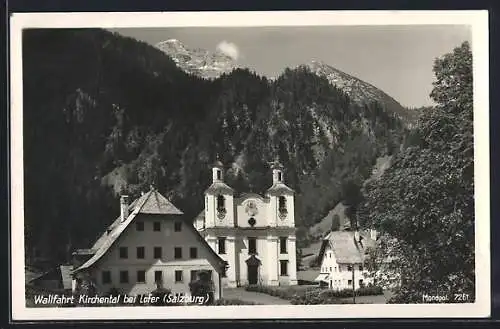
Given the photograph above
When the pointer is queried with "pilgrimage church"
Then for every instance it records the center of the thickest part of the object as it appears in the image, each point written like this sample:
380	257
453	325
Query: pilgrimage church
254	234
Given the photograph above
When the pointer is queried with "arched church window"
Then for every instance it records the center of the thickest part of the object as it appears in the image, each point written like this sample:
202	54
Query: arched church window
221	208
282	204
218	174
220	202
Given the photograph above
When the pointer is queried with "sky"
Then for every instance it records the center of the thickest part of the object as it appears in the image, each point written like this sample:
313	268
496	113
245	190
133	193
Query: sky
396	59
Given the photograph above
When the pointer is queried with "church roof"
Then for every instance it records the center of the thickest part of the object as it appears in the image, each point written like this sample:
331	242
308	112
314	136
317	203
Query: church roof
218	164
219	186
345	248
280	188
150	203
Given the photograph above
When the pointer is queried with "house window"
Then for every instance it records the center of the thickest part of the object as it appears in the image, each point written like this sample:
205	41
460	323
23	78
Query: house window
252	245
282	204
123	252
139	226
361	267
330	269
194	275
349	267
140	252
283	245
222	245
158	276
123	276
220	203
178	226
178	253
106	277
349	282
157	226
178	276
283	267
360	282
141	276
193	252
157	252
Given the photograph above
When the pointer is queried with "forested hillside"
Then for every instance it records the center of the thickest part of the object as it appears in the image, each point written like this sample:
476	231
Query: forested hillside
104	114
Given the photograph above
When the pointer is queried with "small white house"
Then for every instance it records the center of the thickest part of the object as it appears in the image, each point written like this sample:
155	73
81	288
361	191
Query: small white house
342	256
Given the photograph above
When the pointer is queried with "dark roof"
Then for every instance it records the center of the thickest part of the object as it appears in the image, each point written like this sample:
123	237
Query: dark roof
279	188
157	204
219	187
149	203
218	164
346	250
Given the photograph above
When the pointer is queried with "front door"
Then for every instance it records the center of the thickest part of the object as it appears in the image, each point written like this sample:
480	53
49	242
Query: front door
252	274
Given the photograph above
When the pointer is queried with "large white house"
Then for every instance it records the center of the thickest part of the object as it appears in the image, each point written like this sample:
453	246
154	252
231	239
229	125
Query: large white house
255	234
150	243
343	255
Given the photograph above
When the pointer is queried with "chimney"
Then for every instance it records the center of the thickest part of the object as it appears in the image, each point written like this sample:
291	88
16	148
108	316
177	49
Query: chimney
373	234
123	208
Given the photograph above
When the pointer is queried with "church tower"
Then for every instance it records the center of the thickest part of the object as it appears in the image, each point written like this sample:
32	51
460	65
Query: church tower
282	199
219	207
220	221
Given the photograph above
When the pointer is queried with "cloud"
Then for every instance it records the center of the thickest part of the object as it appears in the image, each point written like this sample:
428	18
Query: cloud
228	48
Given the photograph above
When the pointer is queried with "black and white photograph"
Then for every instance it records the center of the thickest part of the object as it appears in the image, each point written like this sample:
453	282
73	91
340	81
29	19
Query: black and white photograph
208	165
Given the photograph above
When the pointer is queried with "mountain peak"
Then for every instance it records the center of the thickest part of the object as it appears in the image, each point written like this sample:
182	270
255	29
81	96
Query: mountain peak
358	90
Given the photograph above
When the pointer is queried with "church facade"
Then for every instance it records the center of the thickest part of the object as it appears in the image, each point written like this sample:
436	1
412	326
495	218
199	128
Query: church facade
254	234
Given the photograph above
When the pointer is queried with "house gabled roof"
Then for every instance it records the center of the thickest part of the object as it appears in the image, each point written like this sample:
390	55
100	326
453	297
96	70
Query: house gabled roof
345	248
151	202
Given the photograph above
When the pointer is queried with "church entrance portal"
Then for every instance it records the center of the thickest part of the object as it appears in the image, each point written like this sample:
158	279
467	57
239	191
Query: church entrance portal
253	269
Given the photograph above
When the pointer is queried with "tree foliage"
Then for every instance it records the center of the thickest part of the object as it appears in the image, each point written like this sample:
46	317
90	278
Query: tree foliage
425	201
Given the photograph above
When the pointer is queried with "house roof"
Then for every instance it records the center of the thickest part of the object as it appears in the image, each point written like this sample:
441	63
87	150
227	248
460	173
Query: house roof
345	248
66	275
151	202
219	186
280	188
